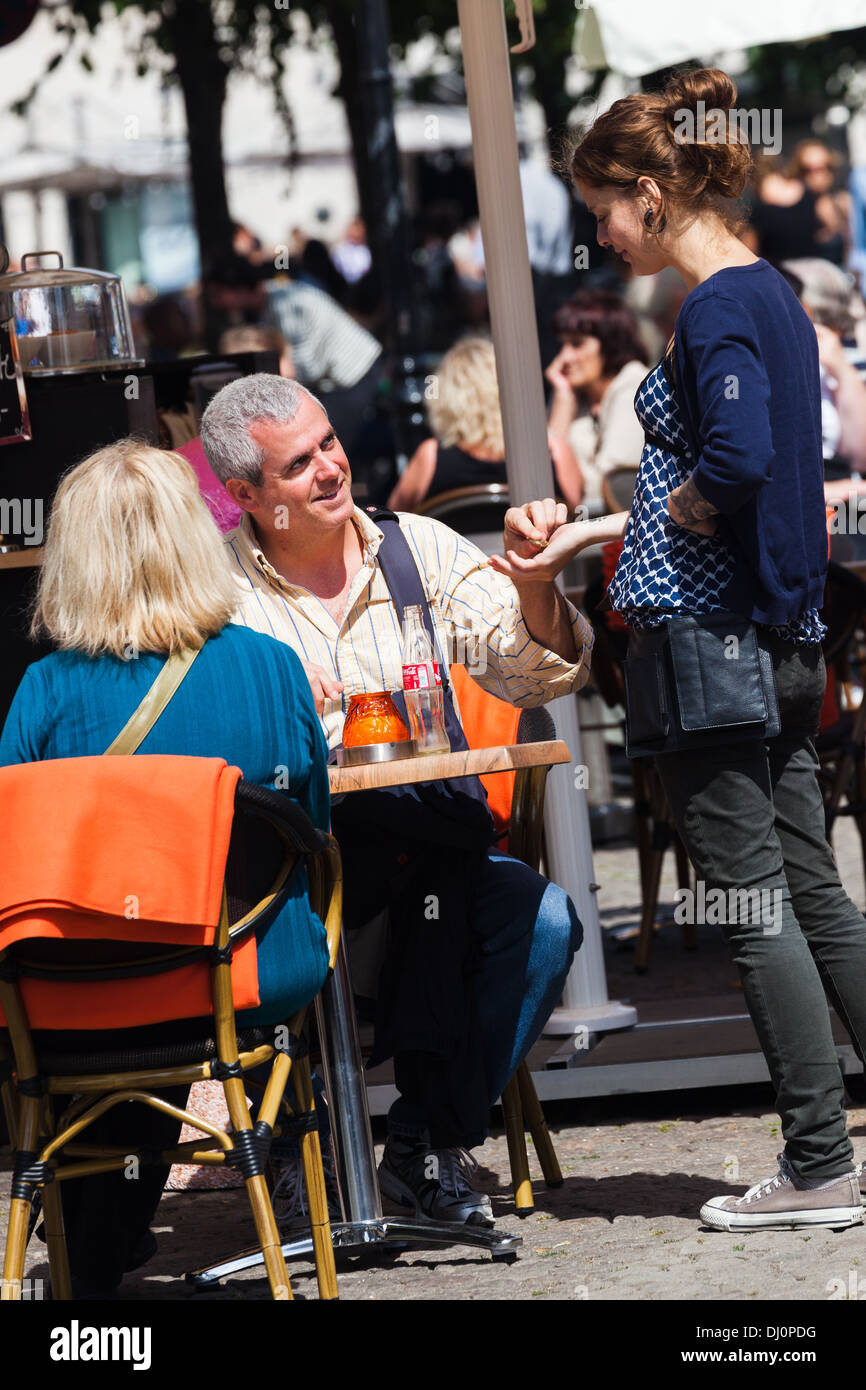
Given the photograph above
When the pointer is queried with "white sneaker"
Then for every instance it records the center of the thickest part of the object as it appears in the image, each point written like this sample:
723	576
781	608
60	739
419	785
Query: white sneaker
776	1203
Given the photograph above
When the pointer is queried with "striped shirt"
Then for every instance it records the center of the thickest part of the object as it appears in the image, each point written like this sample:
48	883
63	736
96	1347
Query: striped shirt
330	350
475	611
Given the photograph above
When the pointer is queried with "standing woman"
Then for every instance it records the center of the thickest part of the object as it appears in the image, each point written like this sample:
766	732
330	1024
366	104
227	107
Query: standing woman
728	519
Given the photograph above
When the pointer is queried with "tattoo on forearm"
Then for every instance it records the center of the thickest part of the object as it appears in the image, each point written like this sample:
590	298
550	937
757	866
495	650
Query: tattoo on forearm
691	505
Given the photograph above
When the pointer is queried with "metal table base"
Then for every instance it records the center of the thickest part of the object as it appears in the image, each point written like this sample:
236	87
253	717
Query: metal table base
362	1224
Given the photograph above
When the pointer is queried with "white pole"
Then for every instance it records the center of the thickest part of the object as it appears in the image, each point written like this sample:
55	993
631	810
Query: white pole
518	368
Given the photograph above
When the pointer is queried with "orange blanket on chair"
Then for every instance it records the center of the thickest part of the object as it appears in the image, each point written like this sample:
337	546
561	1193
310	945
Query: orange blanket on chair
122	849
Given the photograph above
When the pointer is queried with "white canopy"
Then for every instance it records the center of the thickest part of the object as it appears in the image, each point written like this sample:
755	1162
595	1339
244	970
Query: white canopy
634	38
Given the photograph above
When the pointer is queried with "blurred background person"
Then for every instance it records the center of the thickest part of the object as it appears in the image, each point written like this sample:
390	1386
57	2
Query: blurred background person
333	355
168	328
250	337
351	254
467	447
439	309
466	250
830	297
843	388
594	377
817	166
783	216
548	212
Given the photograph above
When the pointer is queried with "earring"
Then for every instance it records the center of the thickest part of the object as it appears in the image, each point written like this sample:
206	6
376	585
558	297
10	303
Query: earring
648	218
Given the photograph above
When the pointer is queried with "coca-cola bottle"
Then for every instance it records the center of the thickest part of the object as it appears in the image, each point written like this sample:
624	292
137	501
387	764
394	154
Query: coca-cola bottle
422	686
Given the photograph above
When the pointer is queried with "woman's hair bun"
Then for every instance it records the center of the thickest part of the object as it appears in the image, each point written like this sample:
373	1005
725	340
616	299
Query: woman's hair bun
721	161
709	85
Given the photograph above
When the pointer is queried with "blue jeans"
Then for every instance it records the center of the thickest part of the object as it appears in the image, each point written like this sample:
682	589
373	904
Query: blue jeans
527	932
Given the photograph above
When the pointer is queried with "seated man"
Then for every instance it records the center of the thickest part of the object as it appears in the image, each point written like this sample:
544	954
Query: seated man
481	944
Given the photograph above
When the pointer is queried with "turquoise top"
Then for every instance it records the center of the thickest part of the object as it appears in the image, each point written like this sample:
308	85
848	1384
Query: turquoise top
246	699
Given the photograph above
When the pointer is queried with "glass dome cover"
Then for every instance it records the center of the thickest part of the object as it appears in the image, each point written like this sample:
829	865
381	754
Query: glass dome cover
67	319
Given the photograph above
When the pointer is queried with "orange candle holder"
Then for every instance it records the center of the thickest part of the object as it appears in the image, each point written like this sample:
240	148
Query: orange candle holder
373	718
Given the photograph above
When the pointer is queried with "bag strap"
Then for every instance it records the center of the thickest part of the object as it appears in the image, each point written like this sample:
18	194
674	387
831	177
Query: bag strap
142	720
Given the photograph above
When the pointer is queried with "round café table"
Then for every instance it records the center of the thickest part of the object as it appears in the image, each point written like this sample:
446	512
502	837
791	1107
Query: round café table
363	1222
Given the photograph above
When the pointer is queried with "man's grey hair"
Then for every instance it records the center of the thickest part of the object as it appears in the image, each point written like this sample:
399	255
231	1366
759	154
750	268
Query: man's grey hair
229	447
829	293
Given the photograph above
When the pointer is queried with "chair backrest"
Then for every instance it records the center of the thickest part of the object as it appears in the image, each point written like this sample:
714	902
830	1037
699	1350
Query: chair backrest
78	952
516	799
526	826
617	487
843	610
476	512
487	722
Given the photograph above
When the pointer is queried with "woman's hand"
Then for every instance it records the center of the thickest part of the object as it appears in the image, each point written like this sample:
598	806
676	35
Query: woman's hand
688	509
323	686
555	373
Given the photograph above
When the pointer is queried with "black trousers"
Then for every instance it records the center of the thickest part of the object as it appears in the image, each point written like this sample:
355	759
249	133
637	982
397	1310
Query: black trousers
751	817
107	1215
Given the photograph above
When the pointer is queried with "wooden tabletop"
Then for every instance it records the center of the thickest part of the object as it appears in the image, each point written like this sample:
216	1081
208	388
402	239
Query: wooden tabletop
433	766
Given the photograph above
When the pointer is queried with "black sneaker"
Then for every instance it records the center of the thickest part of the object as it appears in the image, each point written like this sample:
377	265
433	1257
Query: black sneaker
289	1192
436	1182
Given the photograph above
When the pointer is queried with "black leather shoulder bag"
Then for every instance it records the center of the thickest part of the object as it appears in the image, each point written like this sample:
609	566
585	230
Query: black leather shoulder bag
696	681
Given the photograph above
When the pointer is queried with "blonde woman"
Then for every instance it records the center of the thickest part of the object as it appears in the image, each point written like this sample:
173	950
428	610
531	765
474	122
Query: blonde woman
467	446
727	532
135	569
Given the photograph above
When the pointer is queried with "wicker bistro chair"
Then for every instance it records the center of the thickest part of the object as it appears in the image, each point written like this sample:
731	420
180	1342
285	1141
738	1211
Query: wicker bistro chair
840	744
521	1109
617	487
477	512
480	507
50	1145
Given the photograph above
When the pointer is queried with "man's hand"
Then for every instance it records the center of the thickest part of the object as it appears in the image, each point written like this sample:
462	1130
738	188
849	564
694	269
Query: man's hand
542	564
323	686
691	511
529	528
567	541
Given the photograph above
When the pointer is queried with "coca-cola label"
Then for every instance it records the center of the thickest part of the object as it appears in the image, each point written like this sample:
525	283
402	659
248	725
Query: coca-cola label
418	677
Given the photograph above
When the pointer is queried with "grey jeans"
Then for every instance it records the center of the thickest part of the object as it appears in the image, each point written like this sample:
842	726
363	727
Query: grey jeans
751	817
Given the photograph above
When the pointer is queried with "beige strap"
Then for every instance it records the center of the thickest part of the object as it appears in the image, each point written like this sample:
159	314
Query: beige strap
140	723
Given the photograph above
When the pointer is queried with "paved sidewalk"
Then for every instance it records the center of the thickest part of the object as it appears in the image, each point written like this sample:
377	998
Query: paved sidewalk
624	1223
622	1226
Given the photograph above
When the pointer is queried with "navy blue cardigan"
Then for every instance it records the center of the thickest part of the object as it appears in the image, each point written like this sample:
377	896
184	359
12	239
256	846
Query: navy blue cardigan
749	393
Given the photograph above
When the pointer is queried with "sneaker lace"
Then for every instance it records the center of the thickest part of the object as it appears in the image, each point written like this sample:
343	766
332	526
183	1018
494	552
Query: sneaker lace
457	1168
768	1185
289	1187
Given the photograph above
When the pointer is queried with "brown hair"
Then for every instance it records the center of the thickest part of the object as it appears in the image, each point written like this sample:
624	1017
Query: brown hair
603	315
642	135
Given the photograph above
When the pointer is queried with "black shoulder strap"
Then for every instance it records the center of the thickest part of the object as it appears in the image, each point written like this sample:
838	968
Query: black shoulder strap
406	588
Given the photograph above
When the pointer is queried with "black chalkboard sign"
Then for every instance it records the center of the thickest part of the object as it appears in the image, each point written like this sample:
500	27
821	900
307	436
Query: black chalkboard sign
14	415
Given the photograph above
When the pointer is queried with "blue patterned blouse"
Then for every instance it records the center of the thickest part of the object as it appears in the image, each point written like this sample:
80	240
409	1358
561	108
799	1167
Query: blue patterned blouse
664	569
